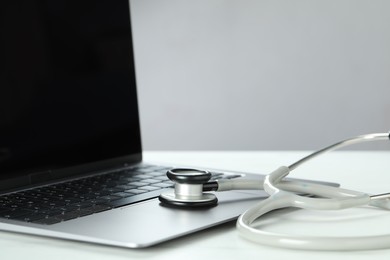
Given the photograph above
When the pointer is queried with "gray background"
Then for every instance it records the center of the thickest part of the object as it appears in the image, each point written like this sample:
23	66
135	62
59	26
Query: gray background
261	75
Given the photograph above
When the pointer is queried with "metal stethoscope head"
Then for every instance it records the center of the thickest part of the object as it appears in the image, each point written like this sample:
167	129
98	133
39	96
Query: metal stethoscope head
191	184
189	189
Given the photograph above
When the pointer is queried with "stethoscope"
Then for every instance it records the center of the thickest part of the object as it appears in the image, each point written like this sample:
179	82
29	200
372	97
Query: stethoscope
191	186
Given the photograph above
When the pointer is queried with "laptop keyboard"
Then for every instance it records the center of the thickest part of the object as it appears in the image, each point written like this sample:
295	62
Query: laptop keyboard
69	200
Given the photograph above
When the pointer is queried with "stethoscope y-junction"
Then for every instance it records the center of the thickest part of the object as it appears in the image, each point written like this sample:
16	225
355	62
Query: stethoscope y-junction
192	186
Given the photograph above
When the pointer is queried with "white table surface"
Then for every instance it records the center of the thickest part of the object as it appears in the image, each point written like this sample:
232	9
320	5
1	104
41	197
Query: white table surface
365	171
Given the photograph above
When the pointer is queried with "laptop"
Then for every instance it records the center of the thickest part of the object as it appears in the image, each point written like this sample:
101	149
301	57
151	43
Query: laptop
70	146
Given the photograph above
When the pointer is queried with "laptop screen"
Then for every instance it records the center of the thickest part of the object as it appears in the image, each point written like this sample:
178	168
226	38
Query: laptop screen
68	93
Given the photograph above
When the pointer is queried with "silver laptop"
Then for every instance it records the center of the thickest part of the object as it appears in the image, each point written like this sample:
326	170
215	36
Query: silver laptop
70	148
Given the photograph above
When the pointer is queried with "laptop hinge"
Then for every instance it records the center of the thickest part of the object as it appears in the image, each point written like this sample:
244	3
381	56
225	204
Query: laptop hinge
40	177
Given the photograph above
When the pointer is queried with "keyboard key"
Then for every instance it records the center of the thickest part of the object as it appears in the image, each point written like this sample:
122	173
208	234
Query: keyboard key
47	221
100	208
139	184
149	188
162	178
30	218
155	174
14	213
135	191
150	181
110	197
126	187
122	194
163	185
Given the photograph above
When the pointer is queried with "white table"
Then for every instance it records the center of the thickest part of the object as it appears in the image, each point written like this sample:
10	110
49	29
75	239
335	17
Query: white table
365	171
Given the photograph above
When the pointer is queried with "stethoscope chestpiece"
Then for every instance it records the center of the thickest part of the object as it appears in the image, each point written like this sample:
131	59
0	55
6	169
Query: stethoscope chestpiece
188	190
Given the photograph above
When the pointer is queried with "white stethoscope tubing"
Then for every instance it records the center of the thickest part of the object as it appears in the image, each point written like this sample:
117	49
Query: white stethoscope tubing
283	194
301	242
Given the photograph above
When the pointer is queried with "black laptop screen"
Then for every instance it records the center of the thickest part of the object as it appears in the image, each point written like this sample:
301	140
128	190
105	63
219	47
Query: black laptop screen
67	84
